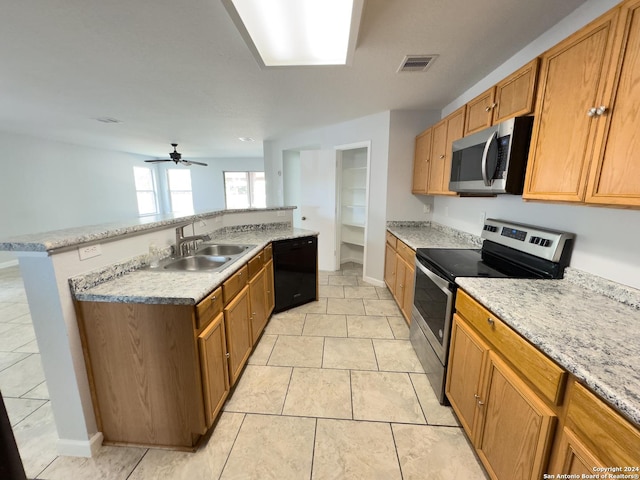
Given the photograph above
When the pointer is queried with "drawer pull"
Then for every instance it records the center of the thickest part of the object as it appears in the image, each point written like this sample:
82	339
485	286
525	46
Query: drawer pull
213	299
490	321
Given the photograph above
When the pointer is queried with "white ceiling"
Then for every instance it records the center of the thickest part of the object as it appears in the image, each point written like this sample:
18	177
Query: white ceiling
179	71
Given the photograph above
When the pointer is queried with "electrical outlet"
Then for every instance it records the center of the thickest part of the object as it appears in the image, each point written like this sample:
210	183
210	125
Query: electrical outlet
426	209
90	251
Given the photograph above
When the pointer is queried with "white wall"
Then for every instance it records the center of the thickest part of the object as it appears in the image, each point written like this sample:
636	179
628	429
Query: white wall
374	128
607	238
208	182
401	203
392	136
291	194
47	185
606	243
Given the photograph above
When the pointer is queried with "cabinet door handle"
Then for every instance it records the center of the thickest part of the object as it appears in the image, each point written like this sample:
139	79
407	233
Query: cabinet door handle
600	110
592	112
228	355
480	403
490	321
441	157
213	299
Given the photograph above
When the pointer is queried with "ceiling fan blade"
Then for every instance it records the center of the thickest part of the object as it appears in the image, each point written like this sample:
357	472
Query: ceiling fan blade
157	161
191	162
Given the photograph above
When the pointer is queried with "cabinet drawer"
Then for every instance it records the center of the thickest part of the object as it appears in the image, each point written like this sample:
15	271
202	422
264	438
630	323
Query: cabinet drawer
255	264
406	253
208	308
609	437
541	372
234	284
268	253
391	240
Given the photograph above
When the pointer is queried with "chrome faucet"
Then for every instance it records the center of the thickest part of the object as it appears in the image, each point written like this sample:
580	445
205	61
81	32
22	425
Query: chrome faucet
185	245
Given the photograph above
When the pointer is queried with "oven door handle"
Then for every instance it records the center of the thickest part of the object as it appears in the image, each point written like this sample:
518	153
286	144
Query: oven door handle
439	281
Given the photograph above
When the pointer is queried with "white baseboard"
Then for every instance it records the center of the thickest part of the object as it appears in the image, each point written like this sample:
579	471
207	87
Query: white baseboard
10	263
80	448
373	281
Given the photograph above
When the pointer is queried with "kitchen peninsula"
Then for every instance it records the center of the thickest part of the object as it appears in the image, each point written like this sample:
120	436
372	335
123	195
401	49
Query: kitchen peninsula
49	260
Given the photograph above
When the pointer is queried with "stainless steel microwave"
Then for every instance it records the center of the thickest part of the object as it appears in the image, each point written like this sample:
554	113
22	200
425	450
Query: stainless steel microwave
492	161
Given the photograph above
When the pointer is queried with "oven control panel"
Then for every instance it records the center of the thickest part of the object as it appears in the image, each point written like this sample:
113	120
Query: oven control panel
538	241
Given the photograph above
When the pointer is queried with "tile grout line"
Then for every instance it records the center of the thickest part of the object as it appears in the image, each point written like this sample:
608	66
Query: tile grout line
313	450
424	415
351	393
138	463
235	439
286	393
395	446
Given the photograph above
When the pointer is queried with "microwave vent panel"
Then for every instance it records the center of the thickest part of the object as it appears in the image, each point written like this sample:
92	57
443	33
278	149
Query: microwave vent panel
416	63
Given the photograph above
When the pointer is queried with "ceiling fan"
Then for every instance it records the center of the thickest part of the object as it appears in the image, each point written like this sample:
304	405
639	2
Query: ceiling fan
177	158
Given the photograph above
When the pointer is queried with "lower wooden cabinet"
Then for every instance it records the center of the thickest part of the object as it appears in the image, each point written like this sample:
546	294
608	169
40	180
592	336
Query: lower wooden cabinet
508	424
212	344
144	369
399	273
594	436
515	427
523	414
160	374
271	298
390	264
258	298
465	373
237	318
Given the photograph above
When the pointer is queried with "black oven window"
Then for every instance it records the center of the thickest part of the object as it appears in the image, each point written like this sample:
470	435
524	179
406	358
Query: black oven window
431	302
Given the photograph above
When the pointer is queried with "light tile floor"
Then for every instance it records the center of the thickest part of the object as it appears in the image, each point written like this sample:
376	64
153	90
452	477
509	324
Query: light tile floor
333	390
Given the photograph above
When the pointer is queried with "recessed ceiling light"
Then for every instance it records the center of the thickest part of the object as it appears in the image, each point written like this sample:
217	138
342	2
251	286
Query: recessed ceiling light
298	32
108	120
246	139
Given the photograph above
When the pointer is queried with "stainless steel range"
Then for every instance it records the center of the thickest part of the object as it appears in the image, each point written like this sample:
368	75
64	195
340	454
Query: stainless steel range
510	250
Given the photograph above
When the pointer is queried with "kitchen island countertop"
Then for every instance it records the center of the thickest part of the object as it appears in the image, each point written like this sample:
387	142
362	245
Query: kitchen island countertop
587	333
174	287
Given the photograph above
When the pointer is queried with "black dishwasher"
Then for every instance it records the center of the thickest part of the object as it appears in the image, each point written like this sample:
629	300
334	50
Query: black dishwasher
295	268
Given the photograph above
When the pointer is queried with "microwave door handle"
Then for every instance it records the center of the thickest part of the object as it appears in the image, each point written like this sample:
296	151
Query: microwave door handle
485	153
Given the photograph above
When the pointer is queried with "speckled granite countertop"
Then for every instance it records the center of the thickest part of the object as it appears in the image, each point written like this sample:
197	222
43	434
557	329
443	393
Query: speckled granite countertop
594	337
432	235
174	287
69	237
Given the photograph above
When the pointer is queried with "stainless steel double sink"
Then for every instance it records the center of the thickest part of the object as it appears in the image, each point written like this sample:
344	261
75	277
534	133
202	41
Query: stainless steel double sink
210	257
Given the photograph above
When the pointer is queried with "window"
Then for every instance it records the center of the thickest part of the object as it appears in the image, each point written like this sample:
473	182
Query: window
145	190
244	190
180	194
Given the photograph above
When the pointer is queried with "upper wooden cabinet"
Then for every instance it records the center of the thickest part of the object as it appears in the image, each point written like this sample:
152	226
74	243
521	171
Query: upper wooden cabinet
584	139
443	135
421	160
615	168
513	96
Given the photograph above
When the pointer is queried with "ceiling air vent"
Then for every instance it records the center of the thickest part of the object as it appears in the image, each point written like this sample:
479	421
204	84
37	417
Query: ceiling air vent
416	63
